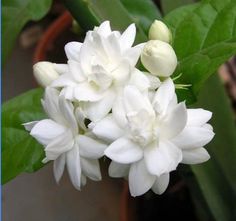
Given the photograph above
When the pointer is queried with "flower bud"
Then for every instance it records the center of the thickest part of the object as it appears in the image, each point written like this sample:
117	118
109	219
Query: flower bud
159	31
159	58
44	73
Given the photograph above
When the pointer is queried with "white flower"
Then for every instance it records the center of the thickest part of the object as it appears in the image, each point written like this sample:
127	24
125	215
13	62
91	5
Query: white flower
45	73
159	58
149	139
60	135
99	68
159	31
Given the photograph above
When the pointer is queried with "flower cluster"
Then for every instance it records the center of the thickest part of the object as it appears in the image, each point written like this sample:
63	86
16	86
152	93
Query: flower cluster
100	104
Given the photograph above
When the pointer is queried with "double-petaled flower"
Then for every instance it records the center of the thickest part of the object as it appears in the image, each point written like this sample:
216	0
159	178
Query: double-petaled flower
99	68
66	140
150	138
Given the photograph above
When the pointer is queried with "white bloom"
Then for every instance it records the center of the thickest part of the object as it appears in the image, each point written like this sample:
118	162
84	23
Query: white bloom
45	73
159	58
99	68
159	31
149	139
60	135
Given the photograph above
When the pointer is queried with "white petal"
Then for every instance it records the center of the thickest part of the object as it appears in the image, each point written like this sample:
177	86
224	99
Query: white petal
133	54
118	112
80	117
107	129
58	167
68	93
85	92
193	137
46	130
194	156
175	122
59	145
163	158
29	126
124	151
139	80
76	71
140	181
72	50
118	169
61	68
50	104
90	148
161	183
73	166
67	111
164	95
122	73
154	81
198	117
63	81
127	37
134	101
104	29
97	110
91	169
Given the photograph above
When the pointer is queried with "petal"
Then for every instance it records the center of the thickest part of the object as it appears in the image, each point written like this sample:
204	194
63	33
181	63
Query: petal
63	81
50	104
118	112
161	183
198	117
59	145
85	92
174	122
134	101
124	151
154	81
91	169
58	167
118	170
97	110
139	80
127	38
133	54
194	156
61	68
90	148
68	93
76	71
73	166
122	73
140	180
164	95
29	126
72	50
104	29
47	130
107	129
67	111
163	158
193	137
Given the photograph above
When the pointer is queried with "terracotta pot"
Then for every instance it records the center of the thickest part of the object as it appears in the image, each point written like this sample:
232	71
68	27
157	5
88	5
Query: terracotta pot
61	24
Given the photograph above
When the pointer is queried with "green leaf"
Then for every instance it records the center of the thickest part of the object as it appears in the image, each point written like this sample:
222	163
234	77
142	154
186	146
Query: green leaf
169	5
15	14
204	37
143	12
20	152
120	13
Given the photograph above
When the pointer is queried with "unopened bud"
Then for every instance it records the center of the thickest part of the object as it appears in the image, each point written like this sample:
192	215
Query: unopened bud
159	58
44	73
159	31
